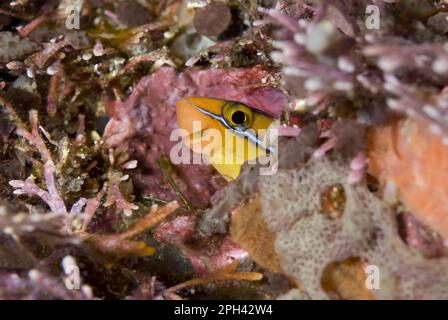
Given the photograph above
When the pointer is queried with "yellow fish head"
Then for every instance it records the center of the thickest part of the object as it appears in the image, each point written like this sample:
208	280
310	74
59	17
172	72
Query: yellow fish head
226	133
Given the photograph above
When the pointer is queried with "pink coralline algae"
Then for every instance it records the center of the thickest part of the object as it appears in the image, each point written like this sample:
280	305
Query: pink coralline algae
146	119
219	252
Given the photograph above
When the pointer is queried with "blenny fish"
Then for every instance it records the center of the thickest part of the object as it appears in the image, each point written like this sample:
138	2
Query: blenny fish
238	132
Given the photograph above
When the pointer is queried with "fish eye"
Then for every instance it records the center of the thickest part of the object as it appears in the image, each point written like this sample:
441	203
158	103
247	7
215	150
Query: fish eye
238	115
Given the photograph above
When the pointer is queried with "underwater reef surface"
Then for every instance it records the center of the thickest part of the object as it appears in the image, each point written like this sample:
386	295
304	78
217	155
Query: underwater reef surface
93	205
